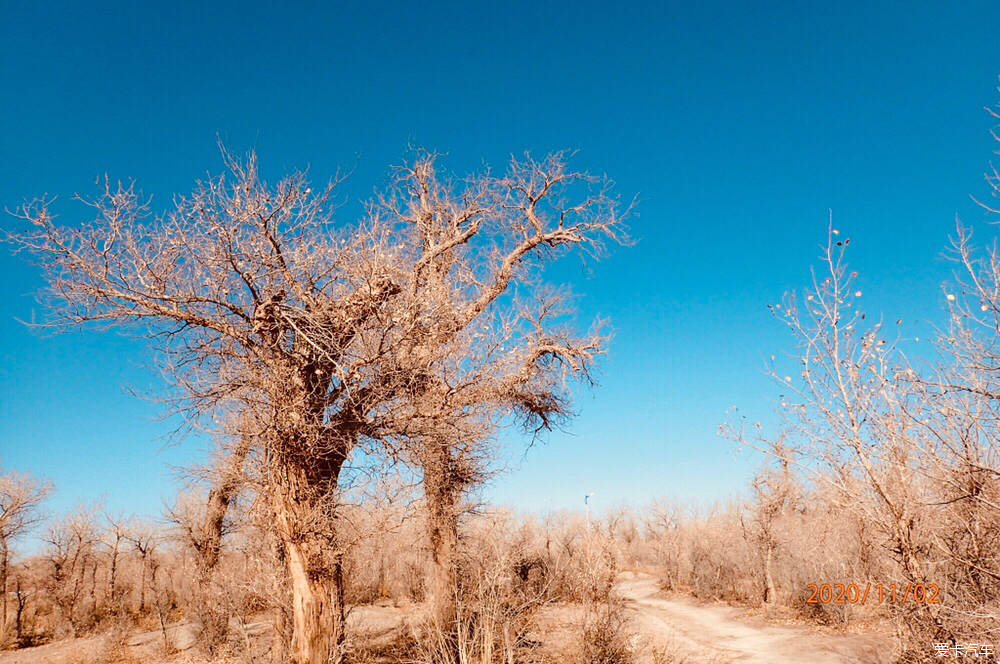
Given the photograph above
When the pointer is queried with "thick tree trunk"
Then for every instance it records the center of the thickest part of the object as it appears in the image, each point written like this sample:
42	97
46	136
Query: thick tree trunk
444	556
314	568
442	491
219	499
282	639
317	605
212	616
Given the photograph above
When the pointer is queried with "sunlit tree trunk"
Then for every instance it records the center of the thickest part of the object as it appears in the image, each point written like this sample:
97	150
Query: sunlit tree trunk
769	592
314	567
443	491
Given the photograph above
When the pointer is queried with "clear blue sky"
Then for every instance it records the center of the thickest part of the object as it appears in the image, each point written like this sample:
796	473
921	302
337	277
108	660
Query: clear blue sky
739	128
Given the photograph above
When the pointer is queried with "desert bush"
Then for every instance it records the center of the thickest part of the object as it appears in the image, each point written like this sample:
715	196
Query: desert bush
387	558
581	561
91	577
494	608
717	562
605	637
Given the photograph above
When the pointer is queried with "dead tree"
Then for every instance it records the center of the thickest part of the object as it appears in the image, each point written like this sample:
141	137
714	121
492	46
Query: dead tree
70	551
473	355
255	300
450	431
144	539
114	536
227	482
203	523
853	414
960	424
21	598
263	307
20	498
776	494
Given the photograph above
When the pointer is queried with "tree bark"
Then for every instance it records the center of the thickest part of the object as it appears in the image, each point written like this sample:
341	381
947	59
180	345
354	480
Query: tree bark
22	602
219	499
4	564
142	584
444	555
211	614
442	491
317	605
314	567
769	592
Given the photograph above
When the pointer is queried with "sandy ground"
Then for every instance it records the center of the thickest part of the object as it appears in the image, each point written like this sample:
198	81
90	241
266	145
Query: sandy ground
715	634
375	623
690	632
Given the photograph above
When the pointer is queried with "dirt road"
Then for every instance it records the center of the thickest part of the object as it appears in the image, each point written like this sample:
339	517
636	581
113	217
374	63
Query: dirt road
689	632
717	634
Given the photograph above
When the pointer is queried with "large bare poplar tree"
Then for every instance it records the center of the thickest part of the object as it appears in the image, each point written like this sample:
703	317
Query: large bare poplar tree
320	338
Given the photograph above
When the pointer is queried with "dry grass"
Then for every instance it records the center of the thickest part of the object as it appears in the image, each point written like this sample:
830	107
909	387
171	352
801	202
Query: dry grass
532	590
605	637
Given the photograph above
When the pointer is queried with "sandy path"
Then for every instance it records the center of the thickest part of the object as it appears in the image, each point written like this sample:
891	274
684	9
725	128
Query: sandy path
378	624
718	634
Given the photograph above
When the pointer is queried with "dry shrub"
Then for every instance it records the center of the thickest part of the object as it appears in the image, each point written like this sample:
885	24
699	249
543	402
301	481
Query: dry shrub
386	559
495	607
718	561
575	561
510	568
116	651
604	636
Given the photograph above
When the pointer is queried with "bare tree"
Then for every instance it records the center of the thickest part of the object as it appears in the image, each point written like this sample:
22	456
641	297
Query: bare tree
663	526
907	451
263	307
20	498
203	523
113	538
775	493
255	300
22	597
859	426
144	538
472	354
961	426
70	553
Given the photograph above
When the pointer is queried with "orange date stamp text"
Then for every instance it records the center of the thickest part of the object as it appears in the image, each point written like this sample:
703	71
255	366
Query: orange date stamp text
853	593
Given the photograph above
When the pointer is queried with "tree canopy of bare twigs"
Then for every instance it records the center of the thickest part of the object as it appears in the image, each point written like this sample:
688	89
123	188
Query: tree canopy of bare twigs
326	339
